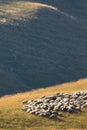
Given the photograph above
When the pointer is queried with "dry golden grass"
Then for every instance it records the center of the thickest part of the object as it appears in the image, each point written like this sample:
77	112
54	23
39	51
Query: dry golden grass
22	11
13	118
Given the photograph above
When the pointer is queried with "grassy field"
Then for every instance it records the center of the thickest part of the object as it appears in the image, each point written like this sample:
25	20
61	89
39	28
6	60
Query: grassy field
13	118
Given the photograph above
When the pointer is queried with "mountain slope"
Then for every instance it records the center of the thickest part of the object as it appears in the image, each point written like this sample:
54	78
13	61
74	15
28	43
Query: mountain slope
41	44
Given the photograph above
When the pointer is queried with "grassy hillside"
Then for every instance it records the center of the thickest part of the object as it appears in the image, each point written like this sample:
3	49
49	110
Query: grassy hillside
13	118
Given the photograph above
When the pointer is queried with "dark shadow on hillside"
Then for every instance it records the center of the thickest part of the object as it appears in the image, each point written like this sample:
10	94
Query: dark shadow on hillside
49	50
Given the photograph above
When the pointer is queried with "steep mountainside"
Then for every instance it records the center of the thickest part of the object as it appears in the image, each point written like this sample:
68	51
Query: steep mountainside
42	43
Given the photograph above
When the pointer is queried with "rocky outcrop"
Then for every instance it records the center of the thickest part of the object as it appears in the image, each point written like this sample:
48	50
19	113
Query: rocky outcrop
49	106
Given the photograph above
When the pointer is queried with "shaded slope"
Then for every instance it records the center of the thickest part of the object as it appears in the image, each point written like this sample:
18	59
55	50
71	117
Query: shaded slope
48	49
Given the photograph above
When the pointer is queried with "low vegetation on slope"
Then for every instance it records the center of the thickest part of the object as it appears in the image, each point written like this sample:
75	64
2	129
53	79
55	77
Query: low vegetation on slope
13	118
42	43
